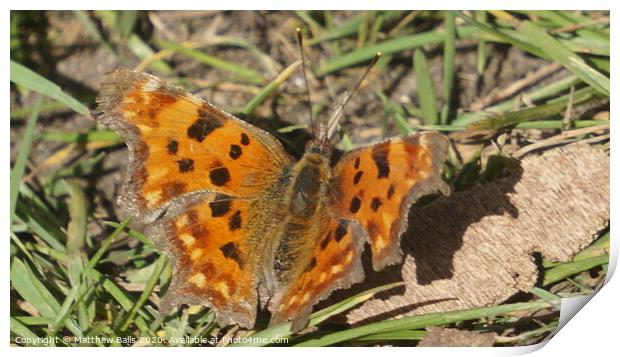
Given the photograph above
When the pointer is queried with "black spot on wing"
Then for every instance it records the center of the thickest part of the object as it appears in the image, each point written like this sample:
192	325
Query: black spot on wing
245	139
311	265
356	164
230	251
325	241
203	126
357	177
235	151
355	205
380	157
173	146
185	165
375	203
219	176
220	205
341	230
390	191
234	221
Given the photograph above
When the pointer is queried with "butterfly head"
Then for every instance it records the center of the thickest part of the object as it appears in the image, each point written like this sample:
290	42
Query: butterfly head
318	147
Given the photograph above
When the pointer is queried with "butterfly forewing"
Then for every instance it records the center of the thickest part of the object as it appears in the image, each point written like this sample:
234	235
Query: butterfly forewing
375	185
180	144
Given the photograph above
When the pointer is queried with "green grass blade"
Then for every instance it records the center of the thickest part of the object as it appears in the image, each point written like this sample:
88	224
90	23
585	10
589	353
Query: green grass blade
345	29
597	248
27	78
559	124
425	91
30	287
389	46
70	303
19	329
150	285
562	271
142	51
133	233
309	20
422	321
40	221
284	329
80	168
561	54
90	136
76	230
105	244
547	296
78	217
46	107
551	90
602	64
31	290
264	58
269	89
125	22
555	107
481	17
349	303
34	320
24	150
79	291
497	35
581	45
449	53
394	111
588	46
394	336
376	28
91	28
238	70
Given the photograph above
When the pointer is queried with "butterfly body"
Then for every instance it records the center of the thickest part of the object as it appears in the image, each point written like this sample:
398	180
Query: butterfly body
246	225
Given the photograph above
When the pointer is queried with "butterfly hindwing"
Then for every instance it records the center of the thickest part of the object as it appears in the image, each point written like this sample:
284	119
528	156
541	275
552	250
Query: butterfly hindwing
215	264
335	263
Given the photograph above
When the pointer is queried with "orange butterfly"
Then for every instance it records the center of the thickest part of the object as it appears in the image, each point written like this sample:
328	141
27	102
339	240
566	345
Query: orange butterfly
246	225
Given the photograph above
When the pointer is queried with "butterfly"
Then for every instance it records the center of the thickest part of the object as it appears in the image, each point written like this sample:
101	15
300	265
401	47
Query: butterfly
245	225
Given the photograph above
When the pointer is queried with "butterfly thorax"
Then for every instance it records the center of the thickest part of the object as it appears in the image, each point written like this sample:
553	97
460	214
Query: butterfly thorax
311	175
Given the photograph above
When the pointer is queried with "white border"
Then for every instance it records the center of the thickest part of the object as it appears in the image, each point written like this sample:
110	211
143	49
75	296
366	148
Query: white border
591	331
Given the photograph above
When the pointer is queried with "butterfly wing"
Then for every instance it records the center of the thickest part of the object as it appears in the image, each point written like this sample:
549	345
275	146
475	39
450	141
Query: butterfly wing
197	176
214	260
335	263
180	144
376	185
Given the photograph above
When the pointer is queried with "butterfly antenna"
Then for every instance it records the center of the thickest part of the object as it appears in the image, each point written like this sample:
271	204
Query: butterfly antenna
333	120
300	42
